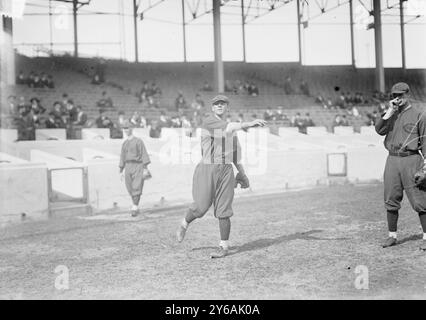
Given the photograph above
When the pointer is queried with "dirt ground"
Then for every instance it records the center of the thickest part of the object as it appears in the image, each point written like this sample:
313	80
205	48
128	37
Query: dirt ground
295	245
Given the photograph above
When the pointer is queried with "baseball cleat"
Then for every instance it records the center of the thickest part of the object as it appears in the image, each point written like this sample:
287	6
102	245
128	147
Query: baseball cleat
389	242
423	245
180	234
220	253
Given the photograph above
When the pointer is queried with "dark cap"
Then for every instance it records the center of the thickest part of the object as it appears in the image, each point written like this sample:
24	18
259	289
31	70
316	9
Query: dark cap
220	98
400	87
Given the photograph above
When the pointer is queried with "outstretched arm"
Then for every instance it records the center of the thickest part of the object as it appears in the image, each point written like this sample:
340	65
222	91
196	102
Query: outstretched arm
235	126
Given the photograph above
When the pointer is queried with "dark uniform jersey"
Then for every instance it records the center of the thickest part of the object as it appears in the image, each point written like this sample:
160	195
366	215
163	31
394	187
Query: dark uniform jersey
217	145
133	150
405	130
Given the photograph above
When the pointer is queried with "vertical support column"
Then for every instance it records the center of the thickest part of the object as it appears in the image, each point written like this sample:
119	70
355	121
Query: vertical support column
74	13
243	24
7	53
402	23
218	63
50	27
299	37
135	25
351	22
184	30
380	73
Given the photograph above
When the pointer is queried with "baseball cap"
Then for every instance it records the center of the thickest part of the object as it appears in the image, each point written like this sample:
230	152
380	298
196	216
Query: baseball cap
400	87
220	98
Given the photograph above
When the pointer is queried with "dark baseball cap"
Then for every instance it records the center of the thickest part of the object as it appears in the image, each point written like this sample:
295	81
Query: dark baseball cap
220	98
400	87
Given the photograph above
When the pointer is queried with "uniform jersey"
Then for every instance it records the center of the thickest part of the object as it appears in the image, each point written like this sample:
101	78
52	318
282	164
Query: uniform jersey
134	151
218	146
405	130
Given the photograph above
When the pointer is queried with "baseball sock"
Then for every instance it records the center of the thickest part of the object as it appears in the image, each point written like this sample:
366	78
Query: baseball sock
225	231
136	200
392	222
422	216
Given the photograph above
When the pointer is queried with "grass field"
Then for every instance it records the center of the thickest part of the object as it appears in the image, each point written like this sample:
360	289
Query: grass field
295	245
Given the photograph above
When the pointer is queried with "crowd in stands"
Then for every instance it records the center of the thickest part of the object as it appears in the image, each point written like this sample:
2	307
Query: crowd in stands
240	88
149	95
289	87
35	80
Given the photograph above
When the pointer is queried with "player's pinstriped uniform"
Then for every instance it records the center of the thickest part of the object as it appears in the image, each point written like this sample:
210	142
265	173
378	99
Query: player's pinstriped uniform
213	180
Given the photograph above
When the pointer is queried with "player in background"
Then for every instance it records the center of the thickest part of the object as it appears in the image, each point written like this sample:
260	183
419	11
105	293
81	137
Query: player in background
213	180
134	161
405	129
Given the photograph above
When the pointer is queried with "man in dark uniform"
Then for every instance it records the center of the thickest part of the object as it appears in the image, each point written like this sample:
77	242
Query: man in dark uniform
213	180
405	129
134	161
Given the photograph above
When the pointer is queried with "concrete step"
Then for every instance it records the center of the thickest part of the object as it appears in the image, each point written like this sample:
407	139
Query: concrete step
69	208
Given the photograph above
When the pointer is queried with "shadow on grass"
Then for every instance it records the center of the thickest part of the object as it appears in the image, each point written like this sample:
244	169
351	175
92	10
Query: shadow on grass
264	243
414	237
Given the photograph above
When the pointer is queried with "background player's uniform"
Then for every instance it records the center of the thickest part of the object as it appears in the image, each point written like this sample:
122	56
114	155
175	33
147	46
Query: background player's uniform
405	135
133	159
213	180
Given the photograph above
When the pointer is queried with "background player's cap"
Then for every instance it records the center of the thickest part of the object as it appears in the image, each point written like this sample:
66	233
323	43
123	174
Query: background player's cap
220	98
400	87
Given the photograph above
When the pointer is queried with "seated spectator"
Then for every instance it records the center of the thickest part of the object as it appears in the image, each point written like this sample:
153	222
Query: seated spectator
329	104
278	115
371	118
298	121
51	122
175	122
36	82
135	120
164	122
20	78
71	111
355	112
12	105
143	122
319	99
304	88
143	92
105	102
154	91
59	114
288	89
30	79
64	101
308	120
37	109
23	104
198	103
50	83
253	90
186	125
268	114
155	129
122	122
81	117
207	86
25	124
336	122
96	79
103	121
345	121
180	102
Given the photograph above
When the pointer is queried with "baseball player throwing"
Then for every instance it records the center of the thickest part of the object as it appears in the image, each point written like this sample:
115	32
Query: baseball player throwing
213	180
405	129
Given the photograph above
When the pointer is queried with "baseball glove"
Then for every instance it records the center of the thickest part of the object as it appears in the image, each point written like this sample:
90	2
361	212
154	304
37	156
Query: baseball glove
241	179
146	175
420	179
